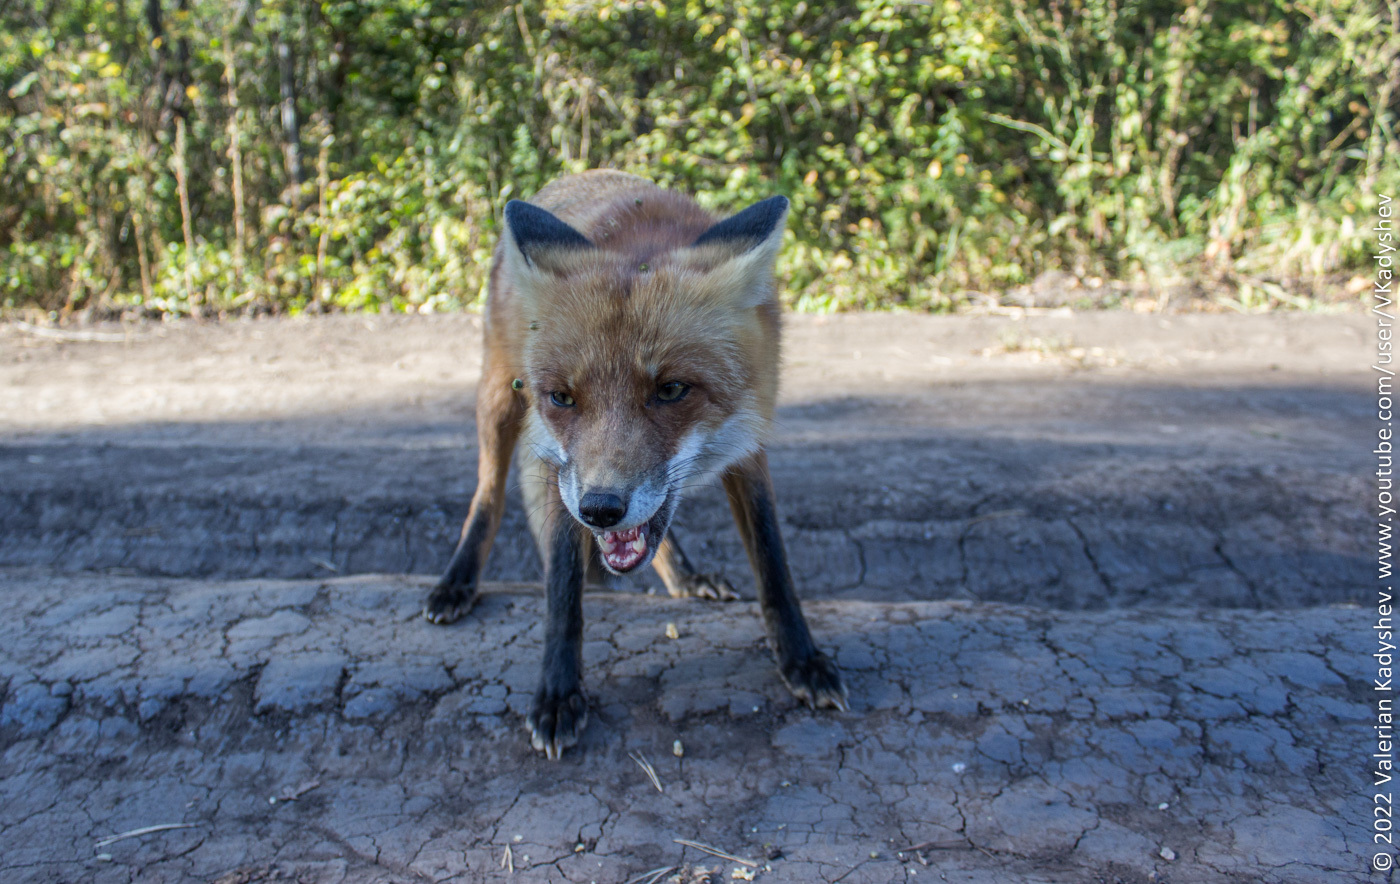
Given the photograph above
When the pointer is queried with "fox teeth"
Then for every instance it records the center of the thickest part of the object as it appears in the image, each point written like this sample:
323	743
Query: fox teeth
639	545
606	544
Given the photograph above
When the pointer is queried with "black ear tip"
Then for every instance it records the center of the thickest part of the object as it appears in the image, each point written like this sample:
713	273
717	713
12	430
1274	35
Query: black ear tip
753	224
533	226
771	209
519	210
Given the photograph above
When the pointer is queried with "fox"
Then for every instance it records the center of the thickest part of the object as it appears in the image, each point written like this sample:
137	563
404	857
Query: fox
631	351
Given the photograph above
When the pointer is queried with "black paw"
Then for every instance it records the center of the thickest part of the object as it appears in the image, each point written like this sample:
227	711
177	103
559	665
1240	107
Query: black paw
446	603
556	721
815	681
704	586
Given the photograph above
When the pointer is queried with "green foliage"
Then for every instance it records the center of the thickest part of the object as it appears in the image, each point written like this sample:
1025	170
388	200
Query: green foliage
930	149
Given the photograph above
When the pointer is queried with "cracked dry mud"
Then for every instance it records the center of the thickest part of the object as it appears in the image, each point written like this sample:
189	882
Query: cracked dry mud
1092	581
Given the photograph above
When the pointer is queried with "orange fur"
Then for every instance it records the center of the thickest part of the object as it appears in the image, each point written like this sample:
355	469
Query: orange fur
608	324
631	362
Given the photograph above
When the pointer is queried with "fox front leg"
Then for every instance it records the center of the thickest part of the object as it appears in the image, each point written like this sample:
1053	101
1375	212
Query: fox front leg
809	674
498	413
560	709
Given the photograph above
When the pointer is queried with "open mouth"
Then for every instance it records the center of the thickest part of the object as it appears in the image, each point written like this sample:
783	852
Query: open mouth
624	550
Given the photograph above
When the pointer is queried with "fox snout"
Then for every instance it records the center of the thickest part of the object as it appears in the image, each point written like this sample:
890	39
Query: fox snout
628	519
607	501
601	509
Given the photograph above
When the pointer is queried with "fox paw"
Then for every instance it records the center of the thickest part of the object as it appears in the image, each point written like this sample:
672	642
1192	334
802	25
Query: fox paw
447	603
556	721
816	681
704	586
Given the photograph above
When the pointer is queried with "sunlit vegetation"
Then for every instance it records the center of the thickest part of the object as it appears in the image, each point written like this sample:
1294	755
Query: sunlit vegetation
180	156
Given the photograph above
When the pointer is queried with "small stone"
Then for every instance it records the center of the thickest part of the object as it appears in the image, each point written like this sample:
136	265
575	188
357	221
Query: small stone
1168	854
677	749
1163	806
959	767
671	631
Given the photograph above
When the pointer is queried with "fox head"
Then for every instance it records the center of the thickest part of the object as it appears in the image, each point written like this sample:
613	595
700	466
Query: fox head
647	368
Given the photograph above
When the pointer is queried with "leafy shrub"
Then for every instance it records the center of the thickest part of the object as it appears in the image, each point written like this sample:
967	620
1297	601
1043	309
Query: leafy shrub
931	150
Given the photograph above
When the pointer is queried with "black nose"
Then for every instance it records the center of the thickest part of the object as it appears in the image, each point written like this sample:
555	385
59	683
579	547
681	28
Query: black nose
601	509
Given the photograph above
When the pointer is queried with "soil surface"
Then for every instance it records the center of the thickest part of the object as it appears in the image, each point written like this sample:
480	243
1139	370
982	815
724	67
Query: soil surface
1093	580
1076	462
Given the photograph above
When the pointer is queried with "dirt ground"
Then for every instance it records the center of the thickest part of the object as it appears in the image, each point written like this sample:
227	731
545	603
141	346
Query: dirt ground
1093	578
1123	460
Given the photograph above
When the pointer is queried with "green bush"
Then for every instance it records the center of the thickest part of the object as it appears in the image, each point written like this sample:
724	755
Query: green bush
931	150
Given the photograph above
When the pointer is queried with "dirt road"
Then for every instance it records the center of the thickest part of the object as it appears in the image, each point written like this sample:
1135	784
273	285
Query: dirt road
1093	461
1092	578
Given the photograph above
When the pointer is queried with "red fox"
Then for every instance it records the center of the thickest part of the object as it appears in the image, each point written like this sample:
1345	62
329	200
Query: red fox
631	344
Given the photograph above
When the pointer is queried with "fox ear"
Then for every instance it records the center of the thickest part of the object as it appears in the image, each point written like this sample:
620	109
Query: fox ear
539	238
750	228
744	247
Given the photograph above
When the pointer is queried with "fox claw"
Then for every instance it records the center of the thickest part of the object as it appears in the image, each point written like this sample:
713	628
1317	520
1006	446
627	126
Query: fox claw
817	682
446	604
556	721
711	587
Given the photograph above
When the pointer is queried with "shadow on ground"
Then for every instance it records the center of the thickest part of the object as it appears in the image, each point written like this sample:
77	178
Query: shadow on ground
1102	495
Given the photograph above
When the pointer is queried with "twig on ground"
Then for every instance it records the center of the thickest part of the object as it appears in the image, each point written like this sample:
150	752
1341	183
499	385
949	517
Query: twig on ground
935	845
712	851
648	769
653	876
144	830
294	794
508	860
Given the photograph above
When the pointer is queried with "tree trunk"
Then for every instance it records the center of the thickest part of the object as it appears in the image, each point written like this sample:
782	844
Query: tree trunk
339	64
323	182
183	188
235	155
153	21
171	80
291	125
142	258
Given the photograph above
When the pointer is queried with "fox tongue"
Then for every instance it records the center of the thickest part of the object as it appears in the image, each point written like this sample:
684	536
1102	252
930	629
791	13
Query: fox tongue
623	549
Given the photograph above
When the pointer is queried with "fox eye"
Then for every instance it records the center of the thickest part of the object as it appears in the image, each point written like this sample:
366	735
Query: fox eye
672	391
563	400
